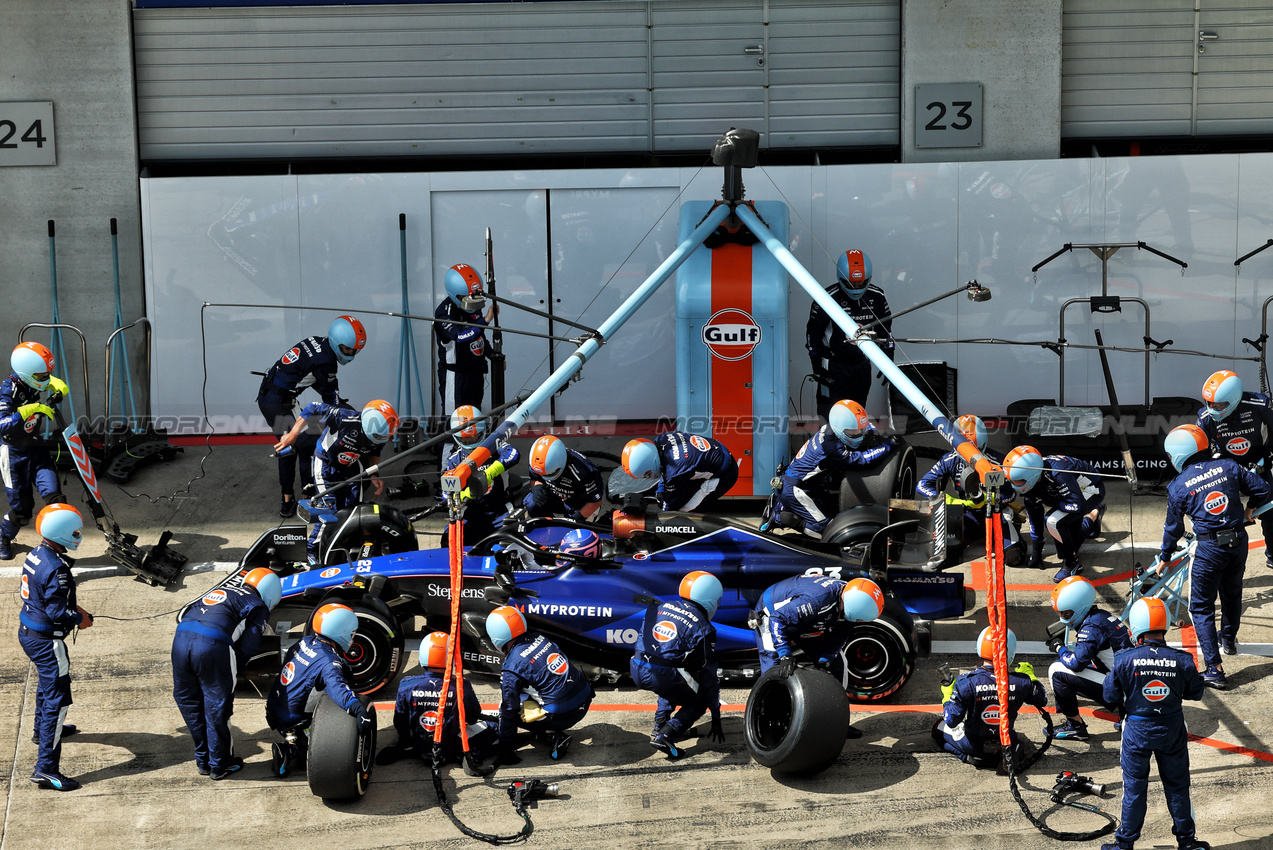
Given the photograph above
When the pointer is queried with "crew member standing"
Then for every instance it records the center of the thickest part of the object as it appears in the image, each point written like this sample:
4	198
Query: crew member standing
462	349
693	471
839	367
1071	493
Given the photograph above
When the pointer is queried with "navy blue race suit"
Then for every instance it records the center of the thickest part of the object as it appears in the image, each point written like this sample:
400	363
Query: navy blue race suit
24	457
821	458
697	471
311	363
415	716
313	666
338	457
484	514
1081	671
1210	493
1149	682
675	656
950	469
215	639
461	355
534	667
578	486
1245	436
49	612
802	612
1068	490
842	369
970	718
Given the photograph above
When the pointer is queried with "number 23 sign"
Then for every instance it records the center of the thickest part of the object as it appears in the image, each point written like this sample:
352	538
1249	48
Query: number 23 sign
26	133
948	115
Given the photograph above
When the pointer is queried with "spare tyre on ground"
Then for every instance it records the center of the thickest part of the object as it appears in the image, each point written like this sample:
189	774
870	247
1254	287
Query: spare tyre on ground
796	725
340	756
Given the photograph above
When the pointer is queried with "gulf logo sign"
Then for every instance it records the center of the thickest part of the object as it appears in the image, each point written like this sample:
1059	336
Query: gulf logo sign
26	588
664	631
292	356
1155	691
1238	446
289	673
557	664
216	597
731	334
1215	503
429	721
347	457
699	443
329	573
991	715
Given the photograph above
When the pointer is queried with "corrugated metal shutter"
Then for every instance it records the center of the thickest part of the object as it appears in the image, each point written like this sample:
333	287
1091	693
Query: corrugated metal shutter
1234	72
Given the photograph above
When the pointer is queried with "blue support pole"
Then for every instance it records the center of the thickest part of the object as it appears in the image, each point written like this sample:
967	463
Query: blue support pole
120	357
55	334
407	364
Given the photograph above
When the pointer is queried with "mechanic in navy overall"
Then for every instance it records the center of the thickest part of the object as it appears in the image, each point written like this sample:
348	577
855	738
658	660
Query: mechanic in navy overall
1149	682
1239	426
49	613
562	482
313	666
675	656
847	441
839	367
1073	495
349	438
1209	491
462	350
1081	671
969	728
312	362
693	471
484	514
216	638
539	688
415	714
809	613
24	456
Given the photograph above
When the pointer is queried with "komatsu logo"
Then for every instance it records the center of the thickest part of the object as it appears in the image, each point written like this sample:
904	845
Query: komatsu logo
1155	691
731	334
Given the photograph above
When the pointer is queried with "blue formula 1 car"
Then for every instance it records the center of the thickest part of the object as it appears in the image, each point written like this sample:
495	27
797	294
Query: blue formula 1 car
593	607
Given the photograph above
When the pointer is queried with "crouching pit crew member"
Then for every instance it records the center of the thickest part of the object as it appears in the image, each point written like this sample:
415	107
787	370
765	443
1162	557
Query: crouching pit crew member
971	714
675	656
49	613
539	688
1082	671
562	482
813	614
315	665
215	639
1071	492
485	514
1149	682
693	471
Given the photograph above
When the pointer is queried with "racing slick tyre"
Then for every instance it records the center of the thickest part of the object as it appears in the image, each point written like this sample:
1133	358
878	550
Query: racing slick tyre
878	658
796	725
378	652
340	758
892	479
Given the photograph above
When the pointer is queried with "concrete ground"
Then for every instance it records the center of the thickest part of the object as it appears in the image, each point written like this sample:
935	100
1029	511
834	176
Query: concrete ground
889	789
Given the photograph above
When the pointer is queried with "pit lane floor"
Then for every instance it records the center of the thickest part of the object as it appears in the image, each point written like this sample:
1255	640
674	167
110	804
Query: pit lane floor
889	789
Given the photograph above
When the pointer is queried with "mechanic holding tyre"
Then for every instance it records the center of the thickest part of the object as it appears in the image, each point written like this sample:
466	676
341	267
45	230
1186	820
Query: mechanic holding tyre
562	482
971	714
675	656
840	369
1082	671
813	614
693	471
216	638
349	438
848	440
484	514
539	688
314	666
312	362
1073	495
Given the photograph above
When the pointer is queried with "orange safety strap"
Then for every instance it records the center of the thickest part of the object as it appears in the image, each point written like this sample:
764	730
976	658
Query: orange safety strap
453	656
997	609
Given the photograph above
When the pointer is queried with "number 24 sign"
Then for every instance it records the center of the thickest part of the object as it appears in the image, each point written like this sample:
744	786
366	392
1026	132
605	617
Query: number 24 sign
26	133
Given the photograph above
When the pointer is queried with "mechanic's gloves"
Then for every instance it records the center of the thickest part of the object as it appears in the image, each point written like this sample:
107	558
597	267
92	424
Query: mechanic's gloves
58	390
1055	643
365	721
947	691
26	411
1036	557
1025	668
493	471
716	733
786	666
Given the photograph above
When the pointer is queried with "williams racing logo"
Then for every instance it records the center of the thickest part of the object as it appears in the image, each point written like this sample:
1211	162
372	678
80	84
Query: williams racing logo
1238	446
1215	503
1155	690
731	334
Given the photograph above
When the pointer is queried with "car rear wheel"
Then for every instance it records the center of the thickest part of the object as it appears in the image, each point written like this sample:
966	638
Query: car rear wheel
796	725
340	757
892	479
878	659
378	651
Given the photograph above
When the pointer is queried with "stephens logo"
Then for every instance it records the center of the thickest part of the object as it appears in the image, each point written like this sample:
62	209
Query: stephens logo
1238	446
557	664
1155	691
292	356
731	334
699	443
1215	503
216	597
347	457
289	673
991	715
664	631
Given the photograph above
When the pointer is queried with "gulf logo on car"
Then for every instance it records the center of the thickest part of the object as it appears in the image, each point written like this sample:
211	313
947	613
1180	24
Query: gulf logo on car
292	356
26	590
347	457
991	715
731	334
557	664
1215	503
289	673
1155	691
664	631
216	597
334	571
1238	446
699	443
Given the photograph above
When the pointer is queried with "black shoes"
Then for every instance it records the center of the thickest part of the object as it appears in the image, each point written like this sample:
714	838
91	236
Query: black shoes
232	767
287	507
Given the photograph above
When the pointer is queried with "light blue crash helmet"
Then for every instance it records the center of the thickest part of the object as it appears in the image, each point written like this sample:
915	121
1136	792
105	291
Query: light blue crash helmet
1183	443
986	646
462	284
1222	392
346	336
853	269
704	588
641	459
849	422
1023	466
337	623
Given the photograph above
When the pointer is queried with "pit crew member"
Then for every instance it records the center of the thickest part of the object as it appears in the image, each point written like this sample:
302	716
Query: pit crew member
49	612
562	481
693	471
462	350
1072	494
1081	671
839	367
1209	491
675	656
311	363
216	638
539	688
484	514
1149	682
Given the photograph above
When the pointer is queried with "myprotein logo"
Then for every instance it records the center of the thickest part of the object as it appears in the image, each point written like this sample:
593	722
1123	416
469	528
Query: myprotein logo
664	631
1215	503
1155	691
1238	446
731	334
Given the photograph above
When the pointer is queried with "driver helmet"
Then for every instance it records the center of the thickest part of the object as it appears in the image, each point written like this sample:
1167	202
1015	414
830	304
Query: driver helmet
581	543
1148	614
267	585
704	588
33	363
469	419
1222	392
1072	598
848	420
1023	466
463	286
1184	442
337	623
379	421
548	457
641	459
346	336
853	269
61	524
433	650
503	624
862	600
986	645
974	429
